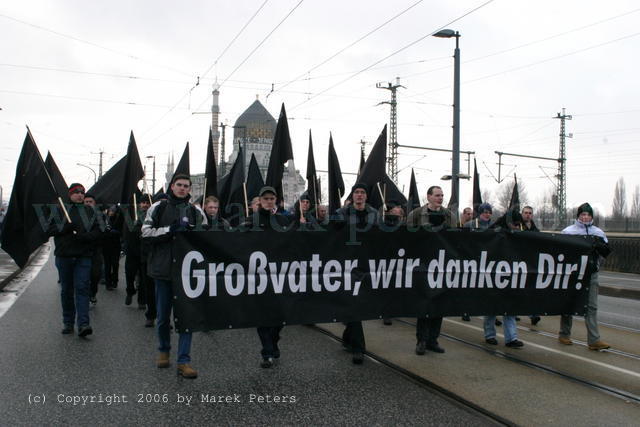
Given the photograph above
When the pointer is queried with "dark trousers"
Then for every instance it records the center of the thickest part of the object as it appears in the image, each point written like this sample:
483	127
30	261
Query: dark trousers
133	269
353	337
428	329
96	271
111	264
269	337
75	274
147	292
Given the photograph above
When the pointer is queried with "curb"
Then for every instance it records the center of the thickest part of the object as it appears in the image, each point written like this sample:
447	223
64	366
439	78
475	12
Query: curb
13	275
616	292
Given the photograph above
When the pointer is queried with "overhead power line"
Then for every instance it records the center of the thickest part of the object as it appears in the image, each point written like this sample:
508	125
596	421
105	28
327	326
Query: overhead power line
80	98
203	75
350	45
230	74
261	42
89	43
395	52
521	67
188	93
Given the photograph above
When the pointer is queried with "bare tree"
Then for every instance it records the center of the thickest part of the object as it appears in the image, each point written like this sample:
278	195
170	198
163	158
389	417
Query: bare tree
504	194
635	204
619	208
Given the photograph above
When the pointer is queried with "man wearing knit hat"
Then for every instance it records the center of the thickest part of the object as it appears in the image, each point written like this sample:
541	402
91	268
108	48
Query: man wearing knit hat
75	245
584	227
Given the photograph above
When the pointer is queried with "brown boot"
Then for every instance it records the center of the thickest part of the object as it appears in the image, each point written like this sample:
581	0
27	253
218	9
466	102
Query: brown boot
599	345
565	340
186	371
163	360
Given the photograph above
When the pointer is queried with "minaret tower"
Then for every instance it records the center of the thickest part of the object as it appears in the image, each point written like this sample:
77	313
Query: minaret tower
215	121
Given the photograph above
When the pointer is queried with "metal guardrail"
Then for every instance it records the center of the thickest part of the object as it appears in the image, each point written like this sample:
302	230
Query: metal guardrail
625	255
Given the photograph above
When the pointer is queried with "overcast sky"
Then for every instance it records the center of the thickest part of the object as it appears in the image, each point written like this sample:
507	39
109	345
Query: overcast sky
83	74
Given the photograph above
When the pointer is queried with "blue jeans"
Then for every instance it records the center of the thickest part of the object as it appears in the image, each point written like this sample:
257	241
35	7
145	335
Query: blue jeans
164	303
508	323
75	284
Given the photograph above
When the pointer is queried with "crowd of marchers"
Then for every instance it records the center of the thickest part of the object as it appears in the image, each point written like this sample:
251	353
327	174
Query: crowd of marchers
88	252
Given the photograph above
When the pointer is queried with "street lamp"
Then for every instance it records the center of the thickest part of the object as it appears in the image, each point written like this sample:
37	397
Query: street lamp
95	177
455	159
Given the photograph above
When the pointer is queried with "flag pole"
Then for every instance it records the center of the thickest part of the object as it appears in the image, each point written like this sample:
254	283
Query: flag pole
246	202
64	209
135	208
204	192
384	204
315	196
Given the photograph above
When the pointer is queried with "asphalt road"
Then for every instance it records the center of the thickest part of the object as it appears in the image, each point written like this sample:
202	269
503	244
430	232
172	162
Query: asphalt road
47	375
621	280
619	312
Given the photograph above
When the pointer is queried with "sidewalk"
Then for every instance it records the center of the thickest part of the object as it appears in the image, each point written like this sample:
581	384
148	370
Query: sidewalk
8	269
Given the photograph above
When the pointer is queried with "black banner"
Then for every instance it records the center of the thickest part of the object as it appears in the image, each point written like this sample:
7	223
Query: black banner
262	278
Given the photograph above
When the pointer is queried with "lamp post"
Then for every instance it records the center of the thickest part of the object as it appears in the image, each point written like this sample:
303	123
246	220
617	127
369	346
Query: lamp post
95	177
455	158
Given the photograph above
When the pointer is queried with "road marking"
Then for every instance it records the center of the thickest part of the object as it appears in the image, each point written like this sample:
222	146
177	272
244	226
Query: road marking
564	353
21	282
619	278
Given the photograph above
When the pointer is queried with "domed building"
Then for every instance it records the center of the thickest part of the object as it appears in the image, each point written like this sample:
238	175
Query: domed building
254	131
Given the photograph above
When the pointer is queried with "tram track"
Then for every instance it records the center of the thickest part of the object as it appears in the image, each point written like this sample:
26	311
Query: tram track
428	385
613	391
579	342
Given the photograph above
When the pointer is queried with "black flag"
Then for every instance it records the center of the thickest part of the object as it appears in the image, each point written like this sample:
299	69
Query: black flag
108	189
157	194
414	197
254	179
281	153
183	164
374	175
56	177
336	183
514	203
313	184
23	230
134	172
120	182
477	194
362	162
210	170
232	189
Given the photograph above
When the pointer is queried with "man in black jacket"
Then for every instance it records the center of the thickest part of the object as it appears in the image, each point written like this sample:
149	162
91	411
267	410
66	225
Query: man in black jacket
175	214
96	259
75	242
359	216
267	218
133	263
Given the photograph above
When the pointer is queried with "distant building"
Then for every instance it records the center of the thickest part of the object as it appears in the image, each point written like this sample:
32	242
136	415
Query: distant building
253	130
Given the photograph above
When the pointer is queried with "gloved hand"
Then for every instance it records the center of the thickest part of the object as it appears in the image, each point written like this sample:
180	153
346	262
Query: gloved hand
68	228
602	247
181	224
